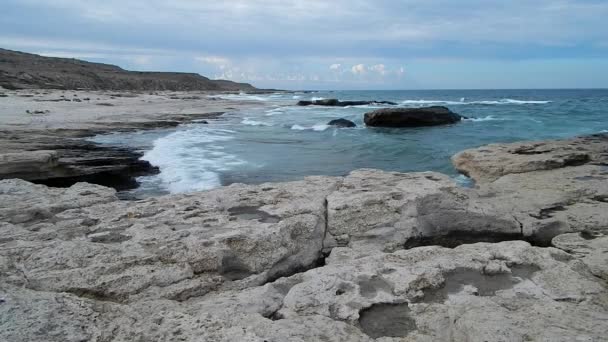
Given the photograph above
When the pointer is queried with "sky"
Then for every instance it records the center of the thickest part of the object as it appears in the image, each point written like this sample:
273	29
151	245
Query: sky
339	44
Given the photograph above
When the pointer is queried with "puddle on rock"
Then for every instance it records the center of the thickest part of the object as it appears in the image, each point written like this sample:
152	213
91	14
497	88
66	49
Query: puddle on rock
486	285
387	320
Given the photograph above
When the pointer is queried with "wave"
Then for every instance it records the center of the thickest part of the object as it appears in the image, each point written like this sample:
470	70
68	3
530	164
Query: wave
245	97
274	111
249	122
317	98
189	160
317	127
482	102
485	118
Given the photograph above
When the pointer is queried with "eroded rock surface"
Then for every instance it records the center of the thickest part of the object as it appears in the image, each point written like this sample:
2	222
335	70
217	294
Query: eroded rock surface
371	256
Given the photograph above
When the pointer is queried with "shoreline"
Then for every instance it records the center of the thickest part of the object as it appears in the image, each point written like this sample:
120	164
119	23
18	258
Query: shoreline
369	255
44	131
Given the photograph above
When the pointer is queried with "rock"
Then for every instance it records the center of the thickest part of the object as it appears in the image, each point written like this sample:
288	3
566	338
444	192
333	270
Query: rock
411	117
342	123
373	255
162	246
338	103
374	210
589	247
488	163
27	162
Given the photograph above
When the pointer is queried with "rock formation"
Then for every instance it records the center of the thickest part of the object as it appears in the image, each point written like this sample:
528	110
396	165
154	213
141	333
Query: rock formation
338	103
411	117
342	123
373	255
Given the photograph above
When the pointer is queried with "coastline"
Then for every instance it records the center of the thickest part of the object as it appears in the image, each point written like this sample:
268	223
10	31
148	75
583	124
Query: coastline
44	131
373	254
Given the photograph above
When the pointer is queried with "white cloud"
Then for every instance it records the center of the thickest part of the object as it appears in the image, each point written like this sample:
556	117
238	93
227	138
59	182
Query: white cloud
358	69
220	62
379	68
335	66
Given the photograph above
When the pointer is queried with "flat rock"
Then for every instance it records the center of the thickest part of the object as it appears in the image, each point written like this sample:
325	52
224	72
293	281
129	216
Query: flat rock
411	117
490	162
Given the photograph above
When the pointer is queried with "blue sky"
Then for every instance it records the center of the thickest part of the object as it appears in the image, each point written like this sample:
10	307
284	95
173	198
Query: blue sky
340	44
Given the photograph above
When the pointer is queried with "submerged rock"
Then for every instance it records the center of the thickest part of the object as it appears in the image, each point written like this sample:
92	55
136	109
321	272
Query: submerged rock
411	117
338	103
342	123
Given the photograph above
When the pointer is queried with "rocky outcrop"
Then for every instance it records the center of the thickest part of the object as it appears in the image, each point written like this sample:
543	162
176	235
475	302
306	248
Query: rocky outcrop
20	70
371	256
342	123
338	103
411	117
488	163
61	157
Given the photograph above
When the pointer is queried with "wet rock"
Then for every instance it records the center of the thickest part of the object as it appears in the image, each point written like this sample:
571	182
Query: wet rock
411	117
342	123
338	103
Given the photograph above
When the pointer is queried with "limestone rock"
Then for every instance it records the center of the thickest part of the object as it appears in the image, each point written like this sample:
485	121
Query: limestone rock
488	163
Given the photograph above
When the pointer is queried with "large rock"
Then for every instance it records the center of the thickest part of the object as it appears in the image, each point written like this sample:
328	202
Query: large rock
84	241
342	123
330	259
338	103
411	117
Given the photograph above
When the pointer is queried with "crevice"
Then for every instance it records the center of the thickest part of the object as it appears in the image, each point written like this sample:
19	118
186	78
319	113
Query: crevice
456	238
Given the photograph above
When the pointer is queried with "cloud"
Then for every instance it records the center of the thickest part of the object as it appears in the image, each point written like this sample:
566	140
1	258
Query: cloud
220	62
359	40
358	69
378	68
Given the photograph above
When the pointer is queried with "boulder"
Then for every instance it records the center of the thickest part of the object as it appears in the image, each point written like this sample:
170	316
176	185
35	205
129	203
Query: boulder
337	103
411	117
342	123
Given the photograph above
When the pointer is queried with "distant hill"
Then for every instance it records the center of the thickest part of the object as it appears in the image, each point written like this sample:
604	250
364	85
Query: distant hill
19	70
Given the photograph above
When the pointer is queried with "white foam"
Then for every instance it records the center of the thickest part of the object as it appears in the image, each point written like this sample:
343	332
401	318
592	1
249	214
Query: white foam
298	128
274	111
243	96
317	98
249	122
317	127
189	161
485	118
295	97
482	102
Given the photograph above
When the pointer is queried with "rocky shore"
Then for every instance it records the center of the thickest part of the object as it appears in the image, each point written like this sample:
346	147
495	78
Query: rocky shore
43	132
375	255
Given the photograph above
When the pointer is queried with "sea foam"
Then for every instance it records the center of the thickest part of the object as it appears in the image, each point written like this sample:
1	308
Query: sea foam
189	160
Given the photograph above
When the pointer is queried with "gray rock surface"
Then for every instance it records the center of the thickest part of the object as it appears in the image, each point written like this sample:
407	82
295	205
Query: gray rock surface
322	259
411	117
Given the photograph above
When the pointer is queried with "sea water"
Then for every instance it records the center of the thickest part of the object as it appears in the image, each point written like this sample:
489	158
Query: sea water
283	142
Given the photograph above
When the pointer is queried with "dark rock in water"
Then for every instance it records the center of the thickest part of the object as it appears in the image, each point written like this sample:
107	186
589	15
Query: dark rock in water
342	123
411	117
338	103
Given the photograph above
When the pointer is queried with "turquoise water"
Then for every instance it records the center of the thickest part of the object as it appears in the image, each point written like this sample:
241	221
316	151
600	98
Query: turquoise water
285	142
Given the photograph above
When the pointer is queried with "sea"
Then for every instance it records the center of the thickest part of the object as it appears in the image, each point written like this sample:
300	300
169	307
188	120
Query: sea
281	141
